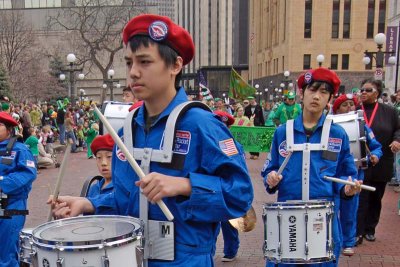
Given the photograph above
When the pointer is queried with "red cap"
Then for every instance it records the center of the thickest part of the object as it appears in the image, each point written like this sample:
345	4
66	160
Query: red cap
342	99
163	30
320	75
6	118
225	117
102	142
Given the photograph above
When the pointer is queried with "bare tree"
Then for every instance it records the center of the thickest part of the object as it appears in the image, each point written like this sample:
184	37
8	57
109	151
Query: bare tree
96	26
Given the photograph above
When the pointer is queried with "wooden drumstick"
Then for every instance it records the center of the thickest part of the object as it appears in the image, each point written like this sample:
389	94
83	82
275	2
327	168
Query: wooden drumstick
59	179
130	158
284	163
337	180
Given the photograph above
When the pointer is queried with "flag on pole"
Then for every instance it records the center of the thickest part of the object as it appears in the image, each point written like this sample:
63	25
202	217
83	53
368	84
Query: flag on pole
239	88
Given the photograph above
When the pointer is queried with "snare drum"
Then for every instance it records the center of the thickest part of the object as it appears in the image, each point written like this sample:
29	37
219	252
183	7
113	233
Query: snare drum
353	123
115	112
25	246
89	241
298	232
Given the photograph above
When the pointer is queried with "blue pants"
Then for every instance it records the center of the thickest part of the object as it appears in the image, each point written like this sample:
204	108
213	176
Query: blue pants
61	128
348	220
231	239
71	135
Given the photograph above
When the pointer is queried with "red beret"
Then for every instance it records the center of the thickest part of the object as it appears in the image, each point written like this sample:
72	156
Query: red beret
342	99
163	30
225	117
102	142
320	75
6	118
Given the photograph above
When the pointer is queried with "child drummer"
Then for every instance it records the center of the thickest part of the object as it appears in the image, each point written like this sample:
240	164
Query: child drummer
332	159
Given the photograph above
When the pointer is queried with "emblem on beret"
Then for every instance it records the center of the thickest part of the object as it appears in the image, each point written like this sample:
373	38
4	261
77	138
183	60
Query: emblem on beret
349	96
308	77
158	30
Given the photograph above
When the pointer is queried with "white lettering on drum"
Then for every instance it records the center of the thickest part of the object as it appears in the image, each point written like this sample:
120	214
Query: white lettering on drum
292	238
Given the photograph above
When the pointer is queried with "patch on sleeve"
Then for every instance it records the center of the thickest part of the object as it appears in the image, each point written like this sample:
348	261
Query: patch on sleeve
120	154
228	147
266	164
182	142
30	163
371	135
283	149
334	144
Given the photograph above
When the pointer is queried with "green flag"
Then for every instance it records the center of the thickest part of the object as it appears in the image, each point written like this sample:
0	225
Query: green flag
239	88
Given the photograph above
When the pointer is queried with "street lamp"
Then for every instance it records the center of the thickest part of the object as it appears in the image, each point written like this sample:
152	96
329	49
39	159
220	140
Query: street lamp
266	93
379	56
71	58
82	91
320	59
110	74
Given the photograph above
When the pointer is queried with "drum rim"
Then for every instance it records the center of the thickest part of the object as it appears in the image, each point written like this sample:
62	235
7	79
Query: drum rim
313	204
301	261
88	245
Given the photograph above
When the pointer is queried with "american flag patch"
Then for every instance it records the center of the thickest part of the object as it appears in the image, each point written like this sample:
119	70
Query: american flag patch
30	163
228	147
371	135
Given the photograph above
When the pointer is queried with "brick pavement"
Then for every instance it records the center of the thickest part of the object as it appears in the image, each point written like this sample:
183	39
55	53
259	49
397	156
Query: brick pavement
384	252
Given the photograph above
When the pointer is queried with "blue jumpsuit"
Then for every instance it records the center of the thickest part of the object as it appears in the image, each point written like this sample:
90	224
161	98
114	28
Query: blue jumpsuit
341	166
214	164
348	207
96	191
18	171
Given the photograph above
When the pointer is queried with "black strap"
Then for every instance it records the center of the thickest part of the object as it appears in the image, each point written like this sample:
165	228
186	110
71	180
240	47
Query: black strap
86	185
7	214
9	147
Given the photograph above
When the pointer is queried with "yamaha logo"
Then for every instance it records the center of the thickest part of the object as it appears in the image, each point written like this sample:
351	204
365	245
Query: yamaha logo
292	219
45	263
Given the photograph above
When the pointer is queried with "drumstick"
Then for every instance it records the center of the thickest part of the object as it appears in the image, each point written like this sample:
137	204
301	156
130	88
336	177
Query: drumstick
59	179
130	159
337	180
284	163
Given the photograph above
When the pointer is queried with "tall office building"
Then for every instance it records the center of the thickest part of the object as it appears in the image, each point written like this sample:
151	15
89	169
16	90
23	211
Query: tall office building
290	34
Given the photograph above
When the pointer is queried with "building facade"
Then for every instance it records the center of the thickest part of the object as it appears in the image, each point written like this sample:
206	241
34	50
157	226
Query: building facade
290	34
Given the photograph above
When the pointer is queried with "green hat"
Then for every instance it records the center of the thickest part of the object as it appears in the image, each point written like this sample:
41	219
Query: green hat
5	106
250	97
217	99
291	95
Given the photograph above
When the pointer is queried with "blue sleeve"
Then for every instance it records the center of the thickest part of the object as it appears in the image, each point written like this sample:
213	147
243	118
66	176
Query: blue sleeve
18	178
104	203
374	146
272	162
222	180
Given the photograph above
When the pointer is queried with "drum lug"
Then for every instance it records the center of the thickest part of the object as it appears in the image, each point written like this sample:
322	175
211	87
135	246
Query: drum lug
60	262
105	261
34	258
139	256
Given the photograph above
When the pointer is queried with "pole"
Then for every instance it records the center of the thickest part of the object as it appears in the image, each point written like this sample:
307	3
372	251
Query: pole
111	90
397	59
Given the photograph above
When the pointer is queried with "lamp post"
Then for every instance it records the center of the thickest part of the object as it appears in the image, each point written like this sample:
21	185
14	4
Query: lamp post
82	91
72	69
320	60
266	94
379	56
110	81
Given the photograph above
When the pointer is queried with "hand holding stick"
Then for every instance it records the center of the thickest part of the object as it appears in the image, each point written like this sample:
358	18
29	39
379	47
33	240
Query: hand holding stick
337	180
130	159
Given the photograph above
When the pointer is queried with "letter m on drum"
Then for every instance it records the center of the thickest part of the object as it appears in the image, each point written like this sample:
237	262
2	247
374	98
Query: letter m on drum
166	230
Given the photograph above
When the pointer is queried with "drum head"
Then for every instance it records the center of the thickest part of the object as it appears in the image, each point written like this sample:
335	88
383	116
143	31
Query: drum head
87	230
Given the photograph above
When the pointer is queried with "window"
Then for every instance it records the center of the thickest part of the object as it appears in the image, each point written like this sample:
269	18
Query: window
371	18
346	19
382	16
334	61
308	19
335	18
306	61
345	61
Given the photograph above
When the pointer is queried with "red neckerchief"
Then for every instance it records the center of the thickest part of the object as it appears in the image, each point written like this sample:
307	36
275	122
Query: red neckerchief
369	122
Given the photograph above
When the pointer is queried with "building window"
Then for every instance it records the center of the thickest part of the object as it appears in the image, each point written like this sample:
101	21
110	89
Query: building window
345	61
382	16
335	18
346	19
306	61
334	61
371	18
308	19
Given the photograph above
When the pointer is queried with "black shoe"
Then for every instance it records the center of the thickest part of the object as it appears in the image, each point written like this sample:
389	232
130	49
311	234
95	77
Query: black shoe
359	240
370	237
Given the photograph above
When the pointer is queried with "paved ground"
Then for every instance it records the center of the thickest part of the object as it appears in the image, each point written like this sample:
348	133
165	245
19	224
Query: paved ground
384	252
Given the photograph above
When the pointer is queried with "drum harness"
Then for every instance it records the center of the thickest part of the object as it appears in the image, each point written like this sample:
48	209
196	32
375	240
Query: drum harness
4	212
158	236
306	149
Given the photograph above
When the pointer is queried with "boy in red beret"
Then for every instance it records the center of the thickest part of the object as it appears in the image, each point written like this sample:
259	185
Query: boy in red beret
17	172
348	208
207	172
318	148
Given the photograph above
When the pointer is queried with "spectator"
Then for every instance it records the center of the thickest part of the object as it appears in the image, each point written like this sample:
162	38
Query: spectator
69	128
35	116
254	110
32	143
241	120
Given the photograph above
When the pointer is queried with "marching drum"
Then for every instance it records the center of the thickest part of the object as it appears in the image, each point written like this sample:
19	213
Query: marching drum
298	232
89	241
353	124
25	246
115	112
